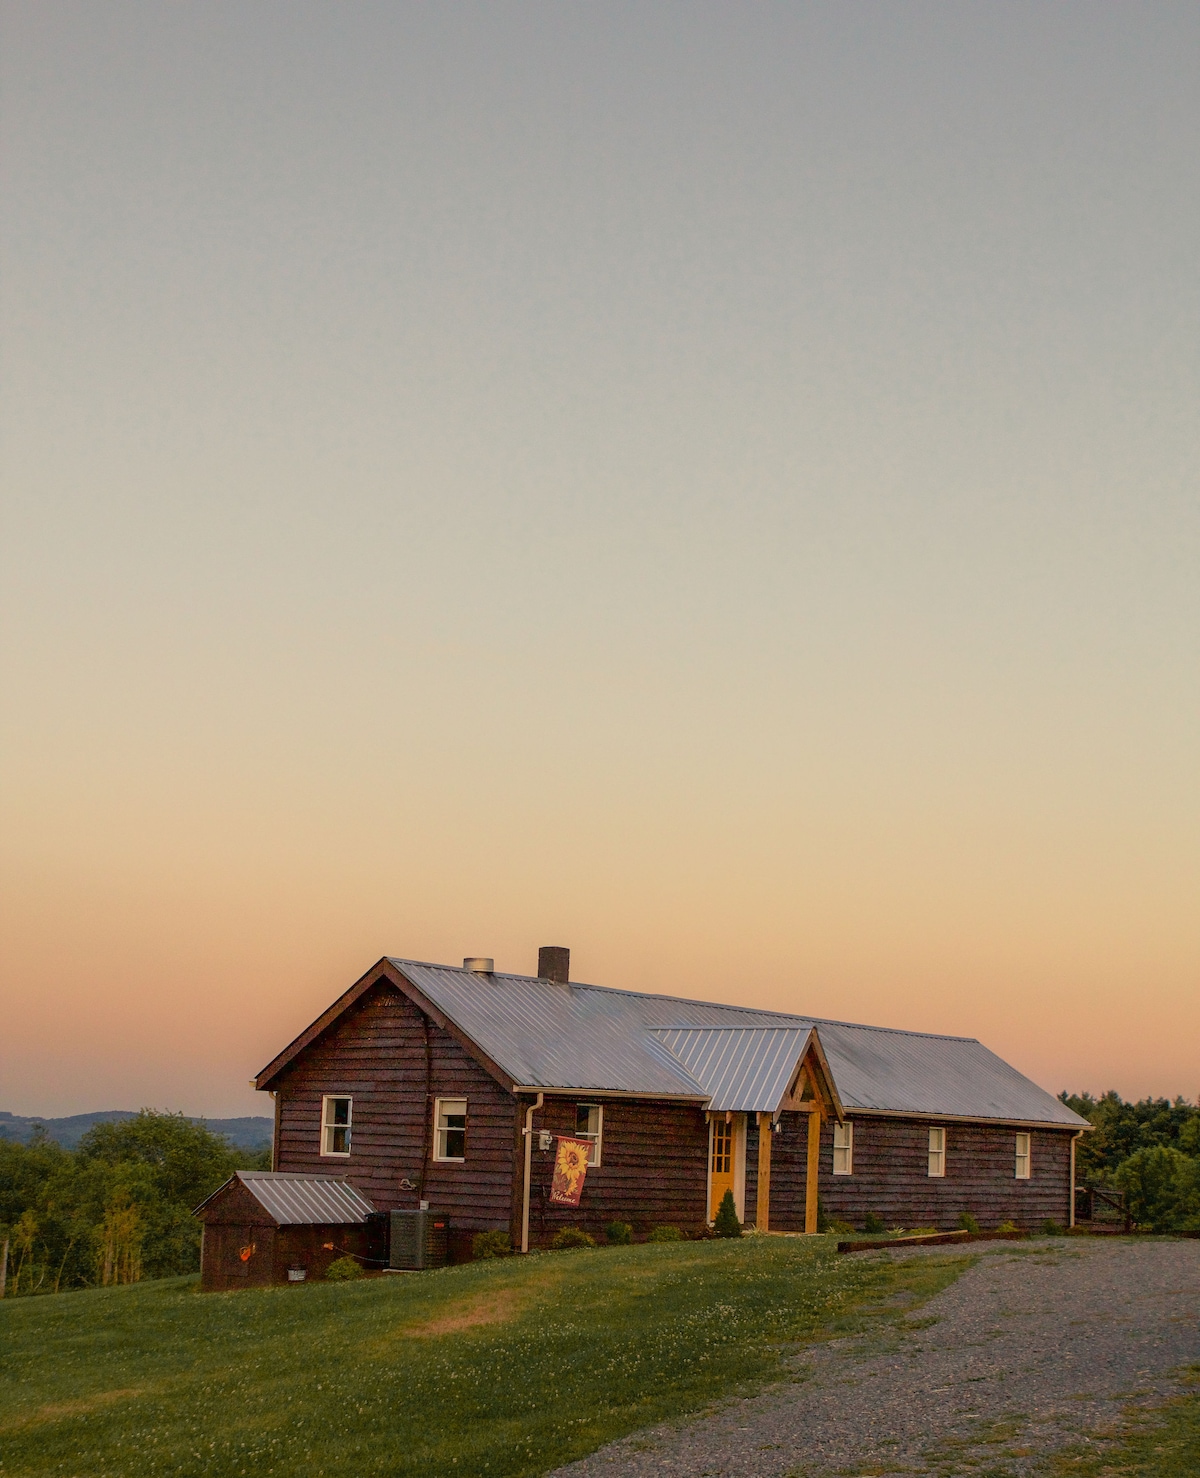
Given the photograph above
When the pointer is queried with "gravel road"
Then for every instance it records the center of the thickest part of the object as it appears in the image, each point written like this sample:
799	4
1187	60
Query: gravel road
1036	1347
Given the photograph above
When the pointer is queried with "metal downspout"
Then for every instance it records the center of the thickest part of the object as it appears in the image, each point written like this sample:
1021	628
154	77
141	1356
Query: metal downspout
1075	1138
427	1130
528	1133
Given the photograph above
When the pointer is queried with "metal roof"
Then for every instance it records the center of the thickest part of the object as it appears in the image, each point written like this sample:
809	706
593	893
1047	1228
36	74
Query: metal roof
743	1068
552	1036
595	1039
305	1200
910	1072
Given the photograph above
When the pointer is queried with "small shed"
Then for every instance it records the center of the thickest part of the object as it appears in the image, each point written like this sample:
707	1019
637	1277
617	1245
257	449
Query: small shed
271	1226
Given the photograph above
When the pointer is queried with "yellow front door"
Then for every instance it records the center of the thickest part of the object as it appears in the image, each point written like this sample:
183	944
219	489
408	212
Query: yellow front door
722	1160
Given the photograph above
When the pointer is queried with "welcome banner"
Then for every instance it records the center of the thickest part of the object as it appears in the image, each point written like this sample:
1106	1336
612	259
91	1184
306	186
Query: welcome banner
570	1167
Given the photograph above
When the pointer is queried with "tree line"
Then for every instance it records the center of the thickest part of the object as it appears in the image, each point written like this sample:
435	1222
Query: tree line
115	1210
1150	1150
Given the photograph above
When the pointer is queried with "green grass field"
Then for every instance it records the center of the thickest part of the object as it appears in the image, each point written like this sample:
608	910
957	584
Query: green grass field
501	1368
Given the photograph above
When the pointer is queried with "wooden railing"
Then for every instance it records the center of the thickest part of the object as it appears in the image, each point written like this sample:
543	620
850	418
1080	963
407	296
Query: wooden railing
1098	1206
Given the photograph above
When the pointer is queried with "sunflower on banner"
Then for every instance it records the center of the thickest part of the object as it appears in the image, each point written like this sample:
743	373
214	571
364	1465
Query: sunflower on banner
570	1167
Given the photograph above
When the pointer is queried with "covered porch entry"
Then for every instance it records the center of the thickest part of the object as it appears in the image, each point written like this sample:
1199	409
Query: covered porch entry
754	1074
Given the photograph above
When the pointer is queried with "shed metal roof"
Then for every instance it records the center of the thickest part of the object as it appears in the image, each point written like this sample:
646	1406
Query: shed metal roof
306	1200
587	1037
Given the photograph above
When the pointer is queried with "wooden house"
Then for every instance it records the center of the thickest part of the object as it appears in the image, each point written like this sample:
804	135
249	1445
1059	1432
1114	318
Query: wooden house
452	1086
265	1226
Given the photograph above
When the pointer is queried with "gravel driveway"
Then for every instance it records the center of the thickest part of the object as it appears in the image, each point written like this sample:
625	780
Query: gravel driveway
1035	1347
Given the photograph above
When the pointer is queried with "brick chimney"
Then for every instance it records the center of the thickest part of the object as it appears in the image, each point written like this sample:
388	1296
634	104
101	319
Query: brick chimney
554	963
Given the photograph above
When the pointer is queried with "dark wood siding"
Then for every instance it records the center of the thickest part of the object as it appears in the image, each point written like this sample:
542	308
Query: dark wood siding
789	1168
376	1055
891	1175
653	1170
749	1204
891	1179
275	1250
235	1221
221	1263
313	1248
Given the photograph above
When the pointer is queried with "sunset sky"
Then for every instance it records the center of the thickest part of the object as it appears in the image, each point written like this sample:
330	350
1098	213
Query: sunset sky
712	485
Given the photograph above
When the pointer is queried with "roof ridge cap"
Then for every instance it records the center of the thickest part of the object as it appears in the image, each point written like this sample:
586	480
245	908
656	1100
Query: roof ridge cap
800	1022
242	1173
611	990
649	995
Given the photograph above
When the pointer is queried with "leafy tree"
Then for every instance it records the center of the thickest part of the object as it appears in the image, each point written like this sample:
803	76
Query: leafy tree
118	1209
1121	1129
184	1159
1162	1188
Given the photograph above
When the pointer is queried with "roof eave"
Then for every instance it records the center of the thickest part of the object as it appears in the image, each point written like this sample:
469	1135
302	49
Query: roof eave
649	1094
212	1195
814	1046
855	1112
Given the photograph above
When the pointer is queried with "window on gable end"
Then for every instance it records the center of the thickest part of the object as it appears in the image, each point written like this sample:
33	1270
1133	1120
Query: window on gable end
843	1148
937	1152
336	1114
1024	1157
450	1129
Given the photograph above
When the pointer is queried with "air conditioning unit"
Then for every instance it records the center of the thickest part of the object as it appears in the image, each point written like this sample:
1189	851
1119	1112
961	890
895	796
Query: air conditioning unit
417	1240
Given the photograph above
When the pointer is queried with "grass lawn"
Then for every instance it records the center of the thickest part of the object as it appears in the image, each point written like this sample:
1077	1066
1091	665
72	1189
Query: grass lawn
499	1368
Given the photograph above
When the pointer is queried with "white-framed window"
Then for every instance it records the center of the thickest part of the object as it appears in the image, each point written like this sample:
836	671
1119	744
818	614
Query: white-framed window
336	1114
589	1125
1024	1157
449	1128
937	1152
843	1148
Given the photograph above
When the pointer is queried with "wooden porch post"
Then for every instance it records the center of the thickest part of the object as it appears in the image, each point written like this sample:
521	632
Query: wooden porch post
762	1210
814	1153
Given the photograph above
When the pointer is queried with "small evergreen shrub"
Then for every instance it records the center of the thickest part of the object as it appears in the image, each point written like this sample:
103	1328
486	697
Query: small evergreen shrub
1051	1228
568	1237
874	1224
1008	1226
490	1244
665	1234
343	1269
840	1228
726	1223
618	1233
968	1223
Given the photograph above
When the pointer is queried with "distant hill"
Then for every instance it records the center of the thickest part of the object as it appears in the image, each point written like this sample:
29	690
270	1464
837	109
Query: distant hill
243	1134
